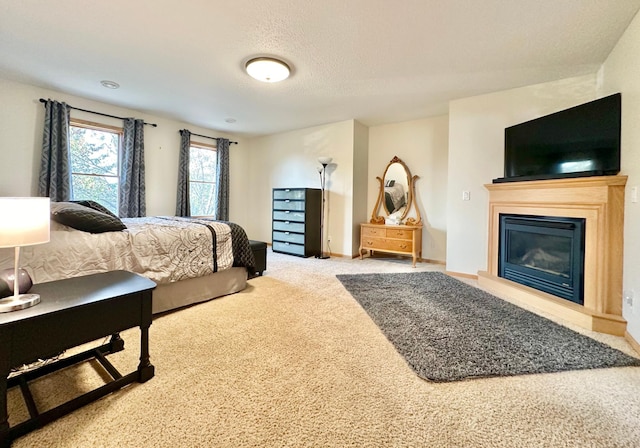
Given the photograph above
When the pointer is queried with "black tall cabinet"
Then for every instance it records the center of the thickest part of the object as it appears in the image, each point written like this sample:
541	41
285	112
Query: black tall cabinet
296	221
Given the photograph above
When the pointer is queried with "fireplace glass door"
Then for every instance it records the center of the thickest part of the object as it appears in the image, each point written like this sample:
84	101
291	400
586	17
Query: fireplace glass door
546	253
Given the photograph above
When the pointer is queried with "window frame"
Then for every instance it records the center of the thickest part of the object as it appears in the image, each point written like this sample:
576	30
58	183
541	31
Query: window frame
92	125
209	147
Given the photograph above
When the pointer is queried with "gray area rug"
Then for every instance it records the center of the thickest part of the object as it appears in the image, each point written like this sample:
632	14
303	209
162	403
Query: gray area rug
449	331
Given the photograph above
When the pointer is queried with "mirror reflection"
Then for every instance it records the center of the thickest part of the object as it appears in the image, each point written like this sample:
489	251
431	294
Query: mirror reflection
396	188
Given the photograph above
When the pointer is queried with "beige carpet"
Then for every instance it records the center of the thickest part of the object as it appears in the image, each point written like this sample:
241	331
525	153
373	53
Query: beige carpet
293	361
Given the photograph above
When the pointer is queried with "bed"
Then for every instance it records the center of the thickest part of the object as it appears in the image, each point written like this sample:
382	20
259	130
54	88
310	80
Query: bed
394	197
191	260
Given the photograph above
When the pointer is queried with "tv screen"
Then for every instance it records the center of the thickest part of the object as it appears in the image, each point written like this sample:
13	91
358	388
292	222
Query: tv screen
581	141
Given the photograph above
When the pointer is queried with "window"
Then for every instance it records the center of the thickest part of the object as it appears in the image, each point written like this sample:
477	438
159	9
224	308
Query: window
95	150
202	178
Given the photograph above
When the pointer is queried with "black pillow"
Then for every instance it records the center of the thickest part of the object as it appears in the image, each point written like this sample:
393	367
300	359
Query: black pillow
96	206
84	218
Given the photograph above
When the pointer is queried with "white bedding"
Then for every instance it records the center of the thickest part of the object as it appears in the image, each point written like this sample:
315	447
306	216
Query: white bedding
396	194
163	249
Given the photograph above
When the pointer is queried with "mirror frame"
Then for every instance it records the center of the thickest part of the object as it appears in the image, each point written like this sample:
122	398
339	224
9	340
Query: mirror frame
376	218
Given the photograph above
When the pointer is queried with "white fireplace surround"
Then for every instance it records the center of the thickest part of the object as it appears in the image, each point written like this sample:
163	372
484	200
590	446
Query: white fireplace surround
598	199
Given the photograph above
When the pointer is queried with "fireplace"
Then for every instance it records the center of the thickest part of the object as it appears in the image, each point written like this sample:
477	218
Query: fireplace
543	252
599	201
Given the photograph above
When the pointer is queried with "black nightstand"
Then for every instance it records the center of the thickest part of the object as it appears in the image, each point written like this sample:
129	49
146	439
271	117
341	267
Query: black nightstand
73	312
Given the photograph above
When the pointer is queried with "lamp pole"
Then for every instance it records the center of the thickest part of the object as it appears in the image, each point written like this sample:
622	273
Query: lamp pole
324	161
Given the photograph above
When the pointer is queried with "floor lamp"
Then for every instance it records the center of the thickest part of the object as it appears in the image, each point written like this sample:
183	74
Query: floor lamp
324	161
23	222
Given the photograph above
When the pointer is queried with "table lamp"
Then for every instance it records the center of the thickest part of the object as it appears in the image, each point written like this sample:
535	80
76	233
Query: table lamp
23	222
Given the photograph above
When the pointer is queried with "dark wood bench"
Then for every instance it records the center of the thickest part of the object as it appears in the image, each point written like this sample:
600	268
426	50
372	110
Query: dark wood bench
259	249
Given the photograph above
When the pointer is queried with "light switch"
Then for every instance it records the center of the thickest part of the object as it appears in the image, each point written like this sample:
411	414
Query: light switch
466	195
634	194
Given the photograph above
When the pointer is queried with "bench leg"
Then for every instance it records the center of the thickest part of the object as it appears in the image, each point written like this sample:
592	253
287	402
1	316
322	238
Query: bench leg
145	368
116	343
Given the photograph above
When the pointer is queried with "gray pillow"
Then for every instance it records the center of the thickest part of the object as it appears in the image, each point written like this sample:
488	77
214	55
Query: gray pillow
84	218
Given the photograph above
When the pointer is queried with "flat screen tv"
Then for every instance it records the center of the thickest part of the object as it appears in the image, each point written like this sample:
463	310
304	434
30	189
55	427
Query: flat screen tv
577	142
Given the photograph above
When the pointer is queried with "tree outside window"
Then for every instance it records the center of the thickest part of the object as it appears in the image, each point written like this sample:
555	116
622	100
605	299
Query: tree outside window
94	163
202	179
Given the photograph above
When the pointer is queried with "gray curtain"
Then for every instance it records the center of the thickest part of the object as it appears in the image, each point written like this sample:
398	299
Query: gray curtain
55	166
221	197
131	202
183	207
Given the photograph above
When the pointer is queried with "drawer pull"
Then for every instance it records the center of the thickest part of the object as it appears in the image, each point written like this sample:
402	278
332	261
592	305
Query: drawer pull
287	200
287	211
286	243
287	189
286	233
286	222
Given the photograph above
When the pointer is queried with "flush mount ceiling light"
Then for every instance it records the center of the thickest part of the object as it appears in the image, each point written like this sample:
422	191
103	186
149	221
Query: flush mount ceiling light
110	84
267	69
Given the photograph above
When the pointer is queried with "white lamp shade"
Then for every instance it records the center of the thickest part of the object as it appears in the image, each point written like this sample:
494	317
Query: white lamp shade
267	69
325	160
24	221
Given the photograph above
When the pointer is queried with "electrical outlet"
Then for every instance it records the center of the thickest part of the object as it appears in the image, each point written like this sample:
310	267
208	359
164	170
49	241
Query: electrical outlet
466	195
329	239
634	194
628	297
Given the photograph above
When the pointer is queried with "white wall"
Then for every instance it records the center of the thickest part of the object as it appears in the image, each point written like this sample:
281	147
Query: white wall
360	178
476	157
21	122
621	73
422	146
290	159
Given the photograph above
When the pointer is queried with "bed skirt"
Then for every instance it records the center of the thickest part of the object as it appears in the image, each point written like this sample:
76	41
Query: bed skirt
170	296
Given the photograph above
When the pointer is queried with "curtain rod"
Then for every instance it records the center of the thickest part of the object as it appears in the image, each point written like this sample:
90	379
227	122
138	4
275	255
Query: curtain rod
206	136
42	100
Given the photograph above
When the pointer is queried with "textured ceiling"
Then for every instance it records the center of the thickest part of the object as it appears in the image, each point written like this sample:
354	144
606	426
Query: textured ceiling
377	61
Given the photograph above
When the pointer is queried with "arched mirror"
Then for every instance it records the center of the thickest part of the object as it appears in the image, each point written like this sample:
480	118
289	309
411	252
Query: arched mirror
395	198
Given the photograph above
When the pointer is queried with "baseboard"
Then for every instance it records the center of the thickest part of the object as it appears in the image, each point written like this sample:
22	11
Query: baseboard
402	256
334	255
632	342
461	274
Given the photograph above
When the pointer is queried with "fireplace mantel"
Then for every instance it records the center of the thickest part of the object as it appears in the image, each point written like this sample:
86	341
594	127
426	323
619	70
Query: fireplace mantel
600	200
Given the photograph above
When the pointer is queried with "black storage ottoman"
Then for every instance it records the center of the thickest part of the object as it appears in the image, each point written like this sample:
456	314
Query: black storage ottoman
259	249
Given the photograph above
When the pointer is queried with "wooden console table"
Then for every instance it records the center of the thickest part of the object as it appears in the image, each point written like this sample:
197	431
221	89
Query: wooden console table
399	239
73	312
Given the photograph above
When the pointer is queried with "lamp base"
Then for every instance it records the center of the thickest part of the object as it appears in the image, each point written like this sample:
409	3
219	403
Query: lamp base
19	302
322	257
